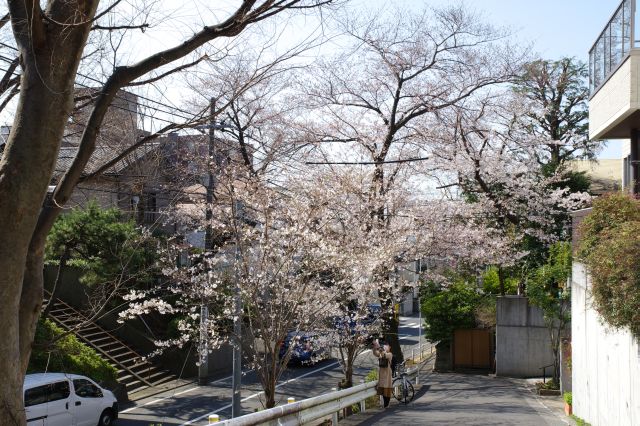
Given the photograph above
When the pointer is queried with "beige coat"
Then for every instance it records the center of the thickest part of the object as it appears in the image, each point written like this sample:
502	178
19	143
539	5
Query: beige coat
384	374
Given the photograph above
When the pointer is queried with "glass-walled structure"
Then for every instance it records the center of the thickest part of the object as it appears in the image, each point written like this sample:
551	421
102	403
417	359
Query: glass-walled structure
613	45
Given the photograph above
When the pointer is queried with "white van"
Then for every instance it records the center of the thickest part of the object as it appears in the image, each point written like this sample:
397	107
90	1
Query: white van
58	399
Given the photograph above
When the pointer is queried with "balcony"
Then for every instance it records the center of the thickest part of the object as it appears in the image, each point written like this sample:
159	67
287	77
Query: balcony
614	77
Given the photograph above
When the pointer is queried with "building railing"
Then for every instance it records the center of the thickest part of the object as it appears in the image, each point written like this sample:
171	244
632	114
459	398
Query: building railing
613	45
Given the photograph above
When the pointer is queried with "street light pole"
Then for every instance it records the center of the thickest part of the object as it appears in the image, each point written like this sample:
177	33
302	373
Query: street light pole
237	331
203	368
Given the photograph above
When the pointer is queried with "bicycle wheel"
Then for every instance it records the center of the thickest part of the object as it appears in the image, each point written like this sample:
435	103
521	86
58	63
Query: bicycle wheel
409	393
403	390
398	388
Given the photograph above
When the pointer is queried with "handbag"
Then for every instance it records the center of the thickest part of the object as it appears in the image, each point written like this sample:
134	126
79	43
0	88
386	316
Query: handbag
383	362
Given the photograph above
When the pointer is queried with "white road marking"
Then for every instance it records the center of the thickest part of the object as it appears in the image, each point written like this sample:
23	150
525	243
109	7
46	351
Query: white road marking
411	325
277	386
177	393
153	401
259	393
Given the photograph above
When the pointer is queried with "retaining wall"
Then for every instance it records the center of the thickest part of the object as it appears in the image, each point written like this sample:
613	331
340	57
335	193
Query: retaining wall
523	344
605	363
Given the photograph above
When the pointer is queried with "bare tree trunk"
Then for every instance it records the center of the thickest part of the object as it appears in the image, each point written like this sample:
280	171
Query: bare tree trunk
57	284
391	326
501	279
349	360
270	394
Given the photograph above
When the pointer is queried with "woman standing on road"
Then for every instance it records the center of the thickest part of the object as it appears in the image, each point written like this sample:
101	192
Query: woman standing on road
385	357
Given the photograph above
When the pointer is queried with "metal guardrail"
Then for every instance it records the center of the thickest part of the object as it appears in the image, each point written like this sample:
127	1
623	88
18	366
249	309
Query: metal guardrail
307	410
311	409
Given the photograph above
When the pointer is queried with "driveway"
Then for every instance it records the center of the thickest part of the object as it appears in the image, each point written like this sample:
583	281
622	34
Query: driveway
465	399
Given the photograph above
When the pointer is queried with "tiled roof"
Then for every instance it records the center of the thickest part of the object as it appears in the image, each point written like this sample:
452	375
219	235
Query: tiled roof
101	156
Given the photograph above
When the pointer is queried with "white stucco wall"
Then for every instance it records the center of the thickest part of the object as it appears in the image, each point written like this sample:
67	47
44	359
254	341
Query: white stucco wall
618	98
605	363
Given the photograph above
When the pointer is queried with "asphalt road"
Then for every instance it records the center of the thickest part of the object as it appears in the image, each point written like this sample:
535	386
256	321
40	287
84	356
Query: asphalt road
470	399
192	404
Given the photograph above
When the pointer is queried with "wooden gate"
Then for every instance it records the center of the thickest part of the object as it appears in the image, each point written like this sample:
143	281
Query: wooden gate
472	349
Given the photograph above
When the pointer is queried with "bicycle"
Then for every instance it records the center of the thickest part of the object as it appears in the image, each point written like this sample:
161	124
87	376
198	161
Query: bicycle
402	388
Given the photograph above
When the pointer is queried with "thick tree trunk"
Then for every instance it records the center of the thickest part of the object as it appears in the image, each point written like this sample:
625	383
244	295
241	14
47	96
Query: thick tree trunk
49	59
501	280
32	150
390	321
391	337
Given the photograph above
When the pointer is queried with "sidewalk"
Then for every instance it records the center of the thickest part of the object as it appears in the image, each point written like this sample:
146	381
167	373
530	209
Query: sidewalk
454	399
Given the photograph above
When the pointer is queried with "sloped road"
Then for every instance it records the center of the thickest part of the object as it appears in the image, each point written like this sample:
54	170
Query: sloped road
464	399
191	404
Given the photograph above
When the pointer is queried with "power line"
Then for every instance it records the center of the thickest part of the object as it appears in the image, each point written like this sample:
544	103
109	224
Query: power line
141	114
364	163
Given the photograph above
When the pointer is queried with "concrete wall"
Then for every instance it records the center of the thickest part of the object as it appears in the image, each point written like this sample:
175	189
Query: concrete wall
605	363
135	333
522	340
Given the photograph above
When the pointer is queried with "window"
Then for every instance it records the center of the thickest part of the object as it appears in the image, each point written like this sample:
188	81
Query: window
59	390
86	389
35	396
46	393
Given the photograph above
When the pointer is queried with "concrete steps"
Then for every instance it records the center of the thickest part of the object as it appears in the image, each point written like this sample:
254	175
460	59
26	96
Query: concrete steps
134	371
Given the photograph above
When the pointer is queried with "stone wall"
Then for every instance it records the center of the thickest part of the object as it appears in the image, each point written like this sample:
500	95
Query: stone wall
522	340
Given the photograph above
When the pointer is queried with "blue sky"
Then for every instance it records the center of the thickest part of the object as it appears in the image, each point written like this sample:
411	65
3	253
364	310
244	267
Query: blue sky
556	28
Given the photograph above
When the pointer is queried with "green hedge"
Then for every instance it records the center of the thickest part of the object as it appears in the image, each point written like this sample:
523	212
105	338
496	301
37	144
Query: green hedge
610	247
68	355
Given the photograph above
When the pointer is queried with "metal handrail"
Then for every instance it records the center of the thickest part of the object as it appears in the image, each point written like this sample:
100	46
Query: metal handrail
544	372
307	410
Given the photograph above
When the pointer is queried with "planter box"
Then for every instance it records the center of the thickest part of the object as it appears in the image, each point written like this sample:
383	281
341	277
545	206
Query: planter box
549	392
568	409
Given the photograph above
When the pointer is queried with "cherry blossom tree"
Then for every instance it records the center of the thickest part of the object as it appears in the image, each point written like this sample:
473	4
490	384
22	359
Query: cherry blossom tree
394	75
492	159
417	226
273	260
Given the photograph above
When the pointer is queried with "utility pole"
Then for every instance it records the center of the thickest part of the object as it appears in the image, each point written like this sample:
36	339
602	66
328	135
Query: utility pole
203	369
418	270
211	163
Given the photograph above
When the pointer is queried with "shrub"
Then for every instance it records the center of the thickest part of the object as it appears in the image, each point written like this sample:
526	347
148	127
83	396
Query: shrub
613	265
107	247
491	282
568	398
447	309
610	247
67	354
608	212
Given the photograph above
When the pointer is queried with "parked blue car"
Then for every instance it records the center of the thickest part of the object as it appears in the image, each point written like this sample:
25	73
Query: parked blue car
307	348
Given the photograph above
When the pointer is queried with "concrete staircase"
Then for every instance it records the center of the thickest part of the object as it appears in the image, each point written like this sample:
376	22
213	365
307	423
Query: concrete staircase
133	370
